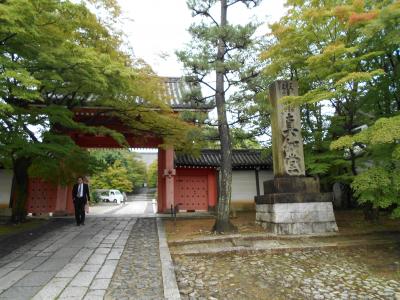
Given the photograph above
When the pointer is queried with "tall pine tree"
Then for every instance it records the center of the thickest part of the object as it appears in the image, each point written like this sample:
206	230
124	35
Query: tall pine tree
219	47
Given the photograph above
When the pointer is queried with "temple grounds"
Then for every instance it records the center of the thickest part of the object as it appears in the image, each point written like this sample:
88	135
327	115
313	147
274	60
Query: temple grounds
362	261
117	256
357	273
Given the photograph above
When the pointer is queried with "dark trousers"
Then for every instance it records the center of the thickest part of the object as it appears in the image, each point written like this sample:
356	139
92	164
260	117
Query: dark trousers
79	205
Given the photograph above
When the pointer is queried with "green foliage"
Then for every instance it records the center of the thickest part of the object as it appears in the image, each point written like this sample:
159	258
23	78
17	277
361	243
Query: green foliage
239	66
373	185
121	164
152	174
114	177
383	131
345	56
329	166
242	139
225	49
57	56
94	196
379	186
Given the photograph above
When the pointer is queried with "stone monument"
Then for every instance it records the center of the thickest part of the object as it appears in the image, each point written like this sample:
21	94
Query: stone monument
292	203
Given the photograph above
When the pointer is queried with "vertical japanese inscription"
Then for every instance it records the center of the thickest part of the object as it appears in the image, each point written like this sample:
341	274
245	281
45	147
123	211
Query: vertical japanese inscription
290	128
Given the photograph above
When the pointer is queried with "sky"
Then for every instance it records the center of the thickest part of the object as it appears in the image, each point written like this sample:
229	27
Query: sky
157	28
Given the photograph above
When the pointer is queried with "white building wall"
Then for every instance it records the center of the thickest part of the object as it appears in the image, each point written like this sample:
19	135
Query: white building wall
244	186
5	187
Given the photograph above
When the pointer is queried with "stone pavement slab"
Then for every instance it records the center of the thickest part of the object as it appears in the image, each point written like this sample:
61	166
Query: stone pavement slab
100	284
64	263
52	289
32	263
35	279
20	292
108	258
95	294
8	280
83	279
73	292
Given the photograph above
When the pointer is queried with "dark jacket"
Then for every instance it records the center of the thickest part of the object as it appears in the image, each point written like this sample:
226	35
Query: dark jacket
86	195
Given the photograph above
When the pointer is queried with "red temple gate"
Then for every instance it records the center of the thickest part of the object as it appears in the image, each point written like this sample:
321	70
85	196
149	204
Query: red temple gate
45	198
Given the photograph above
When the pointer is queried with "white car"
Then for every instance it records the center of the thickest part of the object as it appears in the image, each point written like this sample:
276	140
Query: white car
112	196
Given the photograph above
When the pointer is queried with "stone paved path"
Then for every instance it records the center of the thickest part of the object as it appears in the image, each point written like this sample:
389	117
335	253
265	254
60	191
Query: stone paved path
138	274
108	258
79	262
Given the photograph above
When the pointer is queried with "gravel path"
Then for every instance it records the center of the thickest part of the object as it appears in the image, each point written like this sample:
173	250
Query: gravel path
138	273
361	273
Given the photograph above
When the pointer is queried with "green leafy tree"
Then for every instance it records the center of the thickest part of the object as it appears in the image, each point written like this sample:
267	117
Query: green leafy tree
219	47
152	174
56	56
345	55
114	177
378	185
135	168
315	45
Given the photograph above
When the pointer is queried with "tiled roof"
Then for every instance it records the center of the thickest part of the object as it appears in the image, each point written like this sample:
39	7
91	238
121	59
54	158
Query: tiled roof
178	91
241	159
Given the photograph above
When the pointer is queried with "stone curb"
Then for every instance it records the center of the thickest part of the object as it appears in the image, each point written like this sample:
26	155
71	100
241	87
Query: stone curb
171	291
279	250
271	236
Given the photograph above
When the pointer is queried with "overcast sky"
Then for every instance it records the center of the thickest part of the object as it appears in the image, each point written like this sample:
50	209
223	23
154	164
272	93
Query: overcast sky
157	28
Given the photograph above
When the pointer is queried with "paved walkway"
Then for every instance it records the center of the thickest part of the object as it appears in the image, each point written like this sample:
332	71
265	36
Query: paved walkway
140	205
109	257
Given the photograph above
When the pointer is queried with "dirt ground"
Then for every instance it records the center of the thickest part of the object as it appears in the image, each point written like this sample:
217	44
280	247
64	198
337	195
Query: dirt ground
348	221
29	224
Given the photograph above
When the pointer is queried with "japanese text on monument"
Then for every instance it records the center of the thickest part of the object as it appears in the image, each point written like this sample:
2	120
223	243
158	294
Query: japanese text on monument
291	132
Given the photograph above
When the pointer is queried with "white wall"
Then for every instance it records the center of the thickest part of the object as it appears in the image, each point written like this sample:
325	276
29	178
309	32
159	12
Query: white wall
5	187
244	184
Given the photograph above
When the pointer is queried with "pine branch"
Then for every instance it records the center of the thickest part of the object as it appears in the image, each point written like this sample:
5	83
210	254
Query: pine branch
204	12
3	41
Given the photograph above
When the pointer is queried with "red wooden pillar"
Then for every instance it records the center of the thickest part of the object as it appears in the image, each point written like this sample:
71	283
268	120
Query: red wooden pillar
169	174
161	203
166	173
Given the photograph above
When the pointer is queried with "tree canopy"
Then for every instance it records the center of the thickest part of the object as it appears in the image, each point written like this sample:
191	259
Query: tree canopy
221	48
345	56
118	169
56	56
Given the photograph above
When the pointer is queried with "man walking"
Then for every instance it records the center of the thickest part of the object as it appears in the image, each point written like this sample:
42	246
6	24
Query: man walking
80	196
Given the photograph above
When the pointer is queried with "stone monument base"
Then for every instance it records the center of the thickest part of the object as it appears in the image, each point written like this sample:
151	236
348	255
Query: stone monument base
294	205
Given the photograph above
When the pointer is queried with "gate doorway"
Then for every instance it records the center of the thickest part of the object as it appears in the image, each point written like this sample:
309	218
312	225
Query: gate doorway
191	193
175	88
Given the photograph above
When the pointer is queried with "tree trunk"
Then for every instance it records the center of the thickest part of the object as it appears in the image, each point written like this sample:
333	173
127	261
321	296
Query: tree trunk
222	223
20	189
371	214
